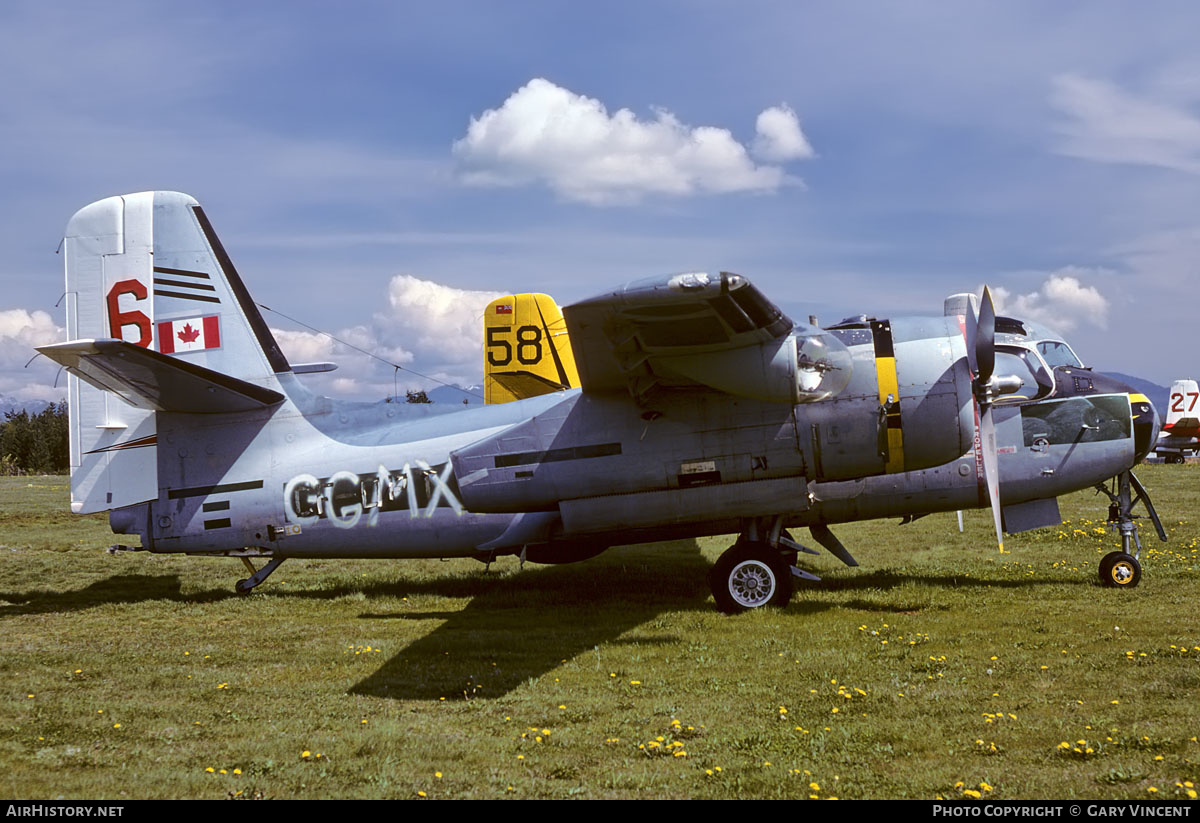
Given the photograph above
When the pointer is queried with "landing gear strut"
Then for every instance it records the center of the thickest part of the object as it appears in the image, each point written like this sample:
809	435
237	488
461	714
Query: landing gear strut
247	584
1122	569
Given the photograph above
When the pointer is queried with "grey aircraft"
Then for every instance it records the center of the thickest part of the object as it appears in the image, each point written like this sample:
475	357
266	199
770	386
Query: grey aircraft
701	409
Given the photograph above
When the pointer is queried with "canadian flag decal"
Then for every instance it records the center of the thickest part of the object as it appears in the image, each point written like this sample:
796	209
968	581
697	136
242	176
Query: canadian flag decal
189	334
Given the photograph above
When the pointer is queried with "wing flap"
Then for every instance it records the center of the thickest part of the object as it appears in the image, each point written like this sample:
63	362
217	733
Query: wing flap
150	380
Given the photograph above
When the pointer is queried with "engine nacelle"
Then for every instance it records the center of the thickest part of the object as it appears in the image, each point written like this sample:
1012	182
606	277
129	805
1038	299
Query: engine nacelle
806	366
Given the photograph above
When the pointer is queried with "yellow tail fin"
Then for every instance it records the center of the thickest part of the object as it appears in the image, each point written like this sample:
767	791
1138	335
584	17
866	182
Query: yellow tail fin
526	349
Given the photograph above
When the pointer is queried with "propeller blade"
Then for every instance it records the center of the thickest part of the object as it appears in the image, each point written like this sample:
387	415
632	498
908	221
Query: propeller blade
985	338
991	469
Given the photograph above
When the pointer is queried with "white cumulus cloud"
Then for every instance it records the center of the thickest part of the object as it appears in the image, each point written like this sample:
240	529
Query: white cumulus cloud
779	136
426	328
1062	302
443	324
544	133
20	332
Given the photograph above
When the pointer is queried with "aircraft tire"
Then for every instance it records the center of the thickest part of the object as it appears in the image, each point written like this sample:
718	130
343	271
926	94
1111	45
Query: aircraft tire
1174	458
750	576
1120	571
243	587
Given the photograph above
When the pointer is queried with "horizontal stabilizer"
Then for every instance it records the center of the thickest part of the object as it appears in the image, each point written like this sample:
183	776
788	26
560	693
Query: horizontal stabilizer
149	380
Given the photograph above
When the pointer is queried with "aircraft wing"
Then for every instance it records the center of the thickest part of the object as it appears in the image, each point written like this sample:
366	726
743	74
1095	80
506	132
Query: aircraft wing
150	380
675	331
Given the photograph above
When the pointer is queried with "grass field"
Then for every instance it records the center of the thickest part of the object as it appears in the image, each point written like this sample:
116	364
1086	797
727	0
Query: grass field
937	668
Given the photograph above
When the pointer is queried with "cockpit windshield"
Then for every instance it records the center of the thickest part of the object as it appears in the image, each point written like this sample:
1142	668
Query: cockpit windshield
1056	353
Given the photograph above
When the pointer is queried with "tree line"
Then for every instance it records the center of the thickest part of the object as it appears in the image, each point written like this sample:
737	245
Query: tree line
35	443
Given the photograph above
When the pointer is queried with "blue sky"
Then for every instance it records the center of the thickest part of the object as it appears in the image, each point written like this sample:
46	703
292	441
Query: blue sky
379	169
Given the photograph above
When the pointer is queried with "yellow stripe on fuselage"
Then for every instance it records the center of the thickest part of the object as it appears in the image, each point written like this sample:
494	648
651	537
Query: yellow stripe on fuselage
889	384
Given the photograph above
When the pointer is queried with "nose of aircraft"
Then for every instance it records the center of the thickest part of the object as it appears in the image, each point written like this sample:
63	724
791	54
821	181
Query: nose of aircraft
1146	422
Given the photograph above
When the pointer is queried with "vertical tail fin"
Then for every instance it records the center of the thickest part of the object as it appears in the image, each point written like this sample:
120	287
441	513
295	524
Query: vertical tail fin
1183	410
147	268
526	349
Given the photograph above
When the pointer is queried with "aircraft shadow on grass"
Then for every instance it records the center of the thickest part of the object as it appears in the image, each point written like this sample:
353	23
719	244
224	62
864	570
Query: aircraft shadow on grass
519	627
526	625
121	588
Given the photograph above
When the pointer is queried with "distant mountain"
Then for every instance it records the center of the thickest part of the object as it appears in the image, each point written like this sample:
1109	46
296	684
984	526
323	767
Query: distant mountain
12	404
1159	395
473	395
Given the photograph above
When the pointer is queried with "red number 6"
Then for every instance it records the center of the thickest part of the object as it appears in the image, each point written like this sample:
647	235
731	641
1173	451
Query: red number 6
118	320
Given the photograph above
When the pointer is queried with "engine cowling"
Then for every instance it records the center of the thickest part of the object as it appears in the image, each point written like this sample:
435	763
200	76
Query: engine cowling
806	366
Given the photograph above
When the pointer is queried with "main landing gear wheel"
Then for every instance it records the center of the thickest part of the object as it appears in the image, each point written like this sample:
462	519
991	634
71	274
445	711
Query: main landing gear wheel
1120	570
749	576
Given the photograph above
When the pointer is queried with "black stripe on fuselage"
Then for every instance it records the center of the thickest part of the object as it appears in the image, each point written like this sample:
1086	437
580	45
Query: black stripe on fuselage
200	491
555	455
882	332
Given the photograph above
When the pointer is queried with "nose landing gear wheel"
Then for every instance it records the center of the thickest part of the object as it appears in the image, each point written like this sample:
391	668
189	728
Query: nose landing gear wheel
1119	570
749	576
